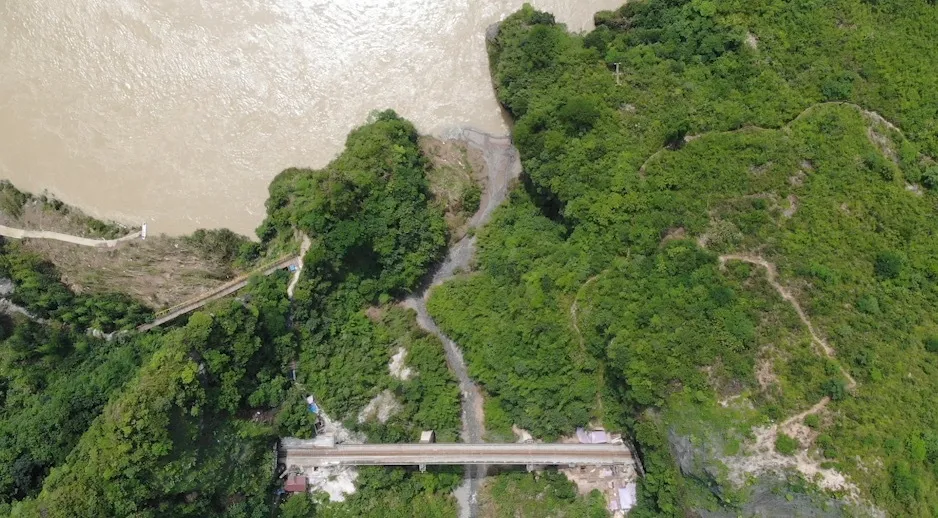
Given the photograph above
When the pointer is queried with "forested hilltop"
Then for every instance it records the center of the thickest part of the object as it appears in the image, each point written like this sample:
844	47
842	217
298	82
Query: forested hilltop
724	245
182	421
727	248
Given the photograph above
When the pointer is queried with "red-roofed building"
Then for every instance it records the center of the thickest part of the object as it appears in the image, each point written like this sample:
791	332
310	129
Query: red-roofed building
295	484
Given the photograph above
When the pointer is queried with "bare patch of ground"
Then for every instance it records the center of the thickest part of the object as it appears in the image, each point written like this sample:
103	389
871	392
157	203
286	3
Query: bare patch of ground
765	373
674	233
797	179
381	407
398	368
159	271
915	189
374	313
605	479
304	247
761	457
883	143
523	435
760	170
792	206
337	482
456	169
751	41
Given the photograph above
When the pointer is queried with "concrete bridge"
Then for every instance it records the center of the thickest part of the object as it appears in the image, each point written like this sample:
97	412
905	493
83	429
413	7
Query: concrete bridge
303	454
224	290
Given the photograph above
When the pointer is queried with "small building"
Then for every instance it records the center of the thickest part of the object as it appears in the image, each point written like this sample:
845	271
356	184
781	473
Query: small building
295	484
628	496
592	436
427	437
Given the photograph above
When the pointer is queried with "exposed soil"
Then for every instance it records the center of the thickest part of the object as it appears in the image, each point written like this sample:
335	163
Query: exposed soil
792	206
304	247
397	366
159	271
456	167
53	216
765	373
761	456
381	407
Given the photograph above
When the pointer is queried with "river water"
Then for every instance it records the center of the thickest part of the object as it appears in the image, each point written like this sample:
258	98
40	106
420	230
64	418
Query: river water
180	112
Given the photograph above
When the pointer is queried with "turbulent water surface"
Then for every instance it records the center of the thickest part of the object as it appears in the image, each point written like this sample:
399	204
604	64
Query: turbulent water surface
179	112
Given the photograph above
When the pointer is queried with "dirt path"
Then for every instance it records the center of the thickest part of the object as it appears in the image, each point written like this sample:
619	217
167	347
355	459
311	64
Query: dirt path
304	247
576	327
503	165
772	277
762	453
18	233
576	306
869	114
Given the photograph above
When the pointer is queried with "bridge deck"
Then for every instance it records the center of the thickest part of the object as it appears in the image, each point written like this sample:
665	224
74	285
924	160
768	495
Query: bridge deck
219	292
458	454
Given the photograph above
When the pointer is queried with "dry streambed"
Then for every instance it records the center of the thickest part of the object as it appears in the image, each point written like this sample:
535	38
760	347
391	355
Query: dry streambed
502	166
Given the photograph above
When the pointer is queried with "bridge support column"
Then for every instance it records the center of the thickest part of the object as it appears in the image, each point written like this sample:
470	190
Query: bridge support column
530	468
423	468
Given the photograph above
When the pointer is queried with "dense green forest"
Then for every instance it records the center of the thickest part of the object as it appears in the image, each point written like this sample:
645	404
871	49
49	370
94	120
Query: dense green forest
182	422
796	133
731	239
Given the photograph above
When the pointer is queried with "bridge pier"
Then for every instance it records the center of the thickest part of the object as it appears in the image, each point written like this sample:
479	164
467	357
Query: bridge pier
530	468
423	468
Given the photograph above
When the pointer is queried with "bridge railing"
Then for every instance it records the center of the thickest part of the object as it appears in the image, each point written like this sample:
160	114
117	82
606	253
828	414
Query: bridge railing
167	311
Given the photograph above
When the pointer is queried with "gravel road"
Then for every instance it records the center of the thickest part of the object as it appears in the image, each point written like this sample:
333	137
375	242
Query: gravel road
502	165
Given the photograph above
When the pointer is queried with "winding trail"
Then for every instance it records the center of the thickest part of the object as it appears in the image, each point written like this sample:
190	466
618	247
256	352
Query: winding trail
765	457
772	277
503	165
574	308
18	233
869	114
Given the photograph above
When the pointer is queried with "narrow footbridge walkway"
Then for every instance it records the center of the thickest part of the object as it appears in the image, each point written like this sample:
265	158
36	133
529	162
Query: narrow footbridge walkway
222	291
18	233
302	454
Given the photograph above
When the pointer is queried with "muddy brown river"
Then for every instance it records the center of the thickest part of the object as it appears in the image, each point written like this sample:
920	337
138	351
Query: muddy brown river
180	112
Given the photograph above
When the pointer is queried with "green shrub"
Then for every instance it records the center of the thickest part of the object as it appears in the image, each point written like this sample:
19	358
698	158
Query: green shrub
812	421
786	445
931	344
471	198
888	265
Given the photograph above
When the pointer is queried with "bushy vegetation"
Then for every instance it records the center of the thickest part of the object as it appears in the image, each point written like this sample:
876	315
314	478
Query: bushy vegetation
388	493
224	246
373	230
38	288
170	442
738	127
51	396
183	423
533	495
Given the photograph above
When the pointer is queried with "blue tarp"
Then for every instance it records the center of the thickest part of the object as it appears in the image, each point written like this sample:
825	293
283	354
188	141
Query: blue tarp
313	408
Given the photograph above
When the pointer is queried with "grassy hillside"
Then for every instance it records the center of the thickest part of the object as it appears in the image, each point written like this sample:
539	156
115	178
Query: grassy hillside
793	134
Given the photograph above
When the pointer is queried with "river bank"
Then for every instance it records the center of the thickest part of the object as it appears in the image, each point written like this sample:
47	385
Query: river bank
186	124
